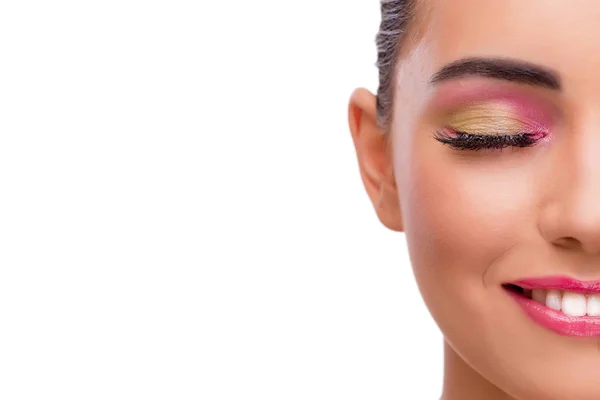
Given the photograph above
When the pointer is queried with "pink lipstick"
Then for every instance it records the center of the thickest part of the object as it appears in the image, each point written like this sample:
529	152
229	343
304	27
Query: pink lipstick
563	283
564	305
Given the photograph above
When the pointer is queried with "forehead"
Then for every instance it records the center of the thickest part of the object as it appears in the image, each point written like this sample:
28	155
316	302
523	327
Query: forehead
560	34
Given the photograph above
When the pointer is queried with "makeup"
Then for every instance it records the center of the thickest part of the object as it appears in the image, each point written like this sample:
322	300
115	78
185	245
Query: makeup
561	304
479	115
528	104
467	141
489	125
564	283
491	118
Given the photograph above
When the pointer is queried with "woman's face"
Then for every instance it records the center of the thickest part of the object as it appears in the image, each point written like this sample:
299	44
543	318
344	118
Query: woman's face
479	211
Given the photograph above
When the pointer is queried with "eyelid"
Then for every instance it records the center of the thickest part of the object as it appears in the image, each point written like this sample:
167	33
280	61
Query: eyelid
526	104
483	118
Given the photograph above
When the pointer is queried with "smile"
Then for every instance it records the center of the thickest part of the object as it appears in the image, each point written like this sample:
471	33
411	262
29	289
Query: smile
561	304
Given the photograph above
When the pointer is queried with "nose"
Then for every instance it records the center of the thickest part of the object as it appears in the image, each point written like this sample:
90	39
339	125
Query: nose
571	217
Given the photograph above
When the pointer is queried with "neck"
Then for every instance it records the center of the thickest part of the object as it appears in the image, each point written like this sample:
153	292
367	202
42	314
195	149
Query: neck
461	382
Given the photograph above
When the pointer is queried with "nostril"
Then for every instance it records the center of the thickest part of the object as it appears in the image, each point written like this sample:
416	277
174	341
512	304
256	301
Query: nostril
567	242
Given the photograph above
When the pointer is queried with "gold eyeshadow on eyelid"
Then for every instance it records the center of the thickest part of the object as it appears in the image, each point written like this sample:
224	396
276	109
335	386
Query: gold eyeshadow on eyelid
487	119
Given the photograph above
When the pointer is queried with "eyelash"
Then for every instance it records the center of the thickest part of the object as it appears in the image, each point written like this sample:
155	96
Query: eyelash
469	142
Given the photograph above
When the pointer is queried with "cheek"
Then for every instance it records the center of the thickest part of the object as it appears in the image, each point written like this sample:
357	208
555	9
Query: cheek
459	218
463	211
460	215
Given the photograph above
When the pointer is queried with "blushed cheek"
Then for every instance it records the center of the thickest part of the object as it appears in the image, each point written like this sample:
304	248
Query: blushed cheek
459	217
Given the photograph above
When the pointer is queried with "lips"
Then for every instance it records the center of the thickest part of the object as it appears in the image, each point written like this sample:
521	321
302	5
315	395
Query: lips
559	283
561	304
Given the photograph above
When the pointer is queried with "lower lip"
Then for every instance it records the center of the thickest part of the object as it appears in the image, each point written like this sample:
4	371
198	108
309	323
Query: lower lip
556	321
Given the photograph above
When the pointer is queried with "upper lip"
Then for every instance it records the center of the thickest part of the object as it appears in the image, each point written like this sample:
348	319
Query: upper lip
563	283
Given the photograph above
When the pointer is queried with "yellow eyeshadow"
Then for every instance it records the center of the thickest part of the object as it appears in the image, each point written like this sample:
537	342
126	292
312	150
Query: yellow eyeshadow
486	119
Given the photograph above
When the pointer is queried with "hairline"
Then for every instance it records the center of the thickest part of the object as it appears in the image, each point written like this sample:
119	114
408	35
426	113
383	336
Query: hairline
398	36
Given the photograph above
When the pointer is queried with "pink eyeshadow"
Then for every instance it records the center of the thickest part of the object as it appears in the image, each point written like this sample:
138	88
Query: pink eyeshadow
539	114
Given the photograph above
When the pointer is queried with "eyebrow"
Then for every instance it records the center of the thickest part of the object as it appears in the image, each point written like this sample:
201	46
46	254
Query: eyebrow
500	68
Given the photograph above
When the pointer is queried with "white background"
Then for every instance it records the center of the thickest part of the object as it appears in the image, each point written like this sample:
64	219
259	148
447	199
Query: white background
181	213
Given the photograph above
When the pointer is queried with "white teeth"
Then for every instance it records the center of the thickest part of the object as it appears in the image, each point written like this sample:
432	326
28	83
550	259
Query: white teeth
574	304
539	295
570	303
554	299
593	305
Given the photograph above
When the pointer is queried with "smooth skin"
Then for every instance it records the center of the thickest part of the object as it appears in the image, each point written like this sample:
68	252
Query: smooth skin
474	220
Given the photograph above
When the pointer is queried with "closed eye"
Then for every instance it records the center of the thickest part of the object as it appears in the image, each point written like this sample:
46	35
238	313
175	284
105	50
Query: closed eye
472	142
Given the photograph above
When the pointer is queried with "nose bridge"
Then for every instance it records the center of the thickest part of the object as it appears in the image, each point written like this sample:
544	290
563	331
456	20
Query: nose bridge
576	216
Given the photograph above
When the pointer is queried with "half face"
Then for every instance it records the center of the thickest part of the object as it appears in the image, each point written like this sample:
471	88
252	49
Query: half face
496	156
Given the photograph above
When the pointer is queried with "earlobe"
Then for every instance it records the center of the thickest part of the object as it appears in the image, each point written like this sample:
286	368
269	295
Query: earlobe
374	158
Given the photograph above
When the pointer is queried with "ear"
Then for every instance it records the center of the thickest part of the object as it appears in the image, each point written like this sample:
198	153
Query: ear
374	158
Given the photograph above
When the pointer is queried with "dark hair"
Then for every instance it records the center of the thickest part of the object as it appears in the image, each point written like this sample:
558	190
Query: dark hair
395	15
